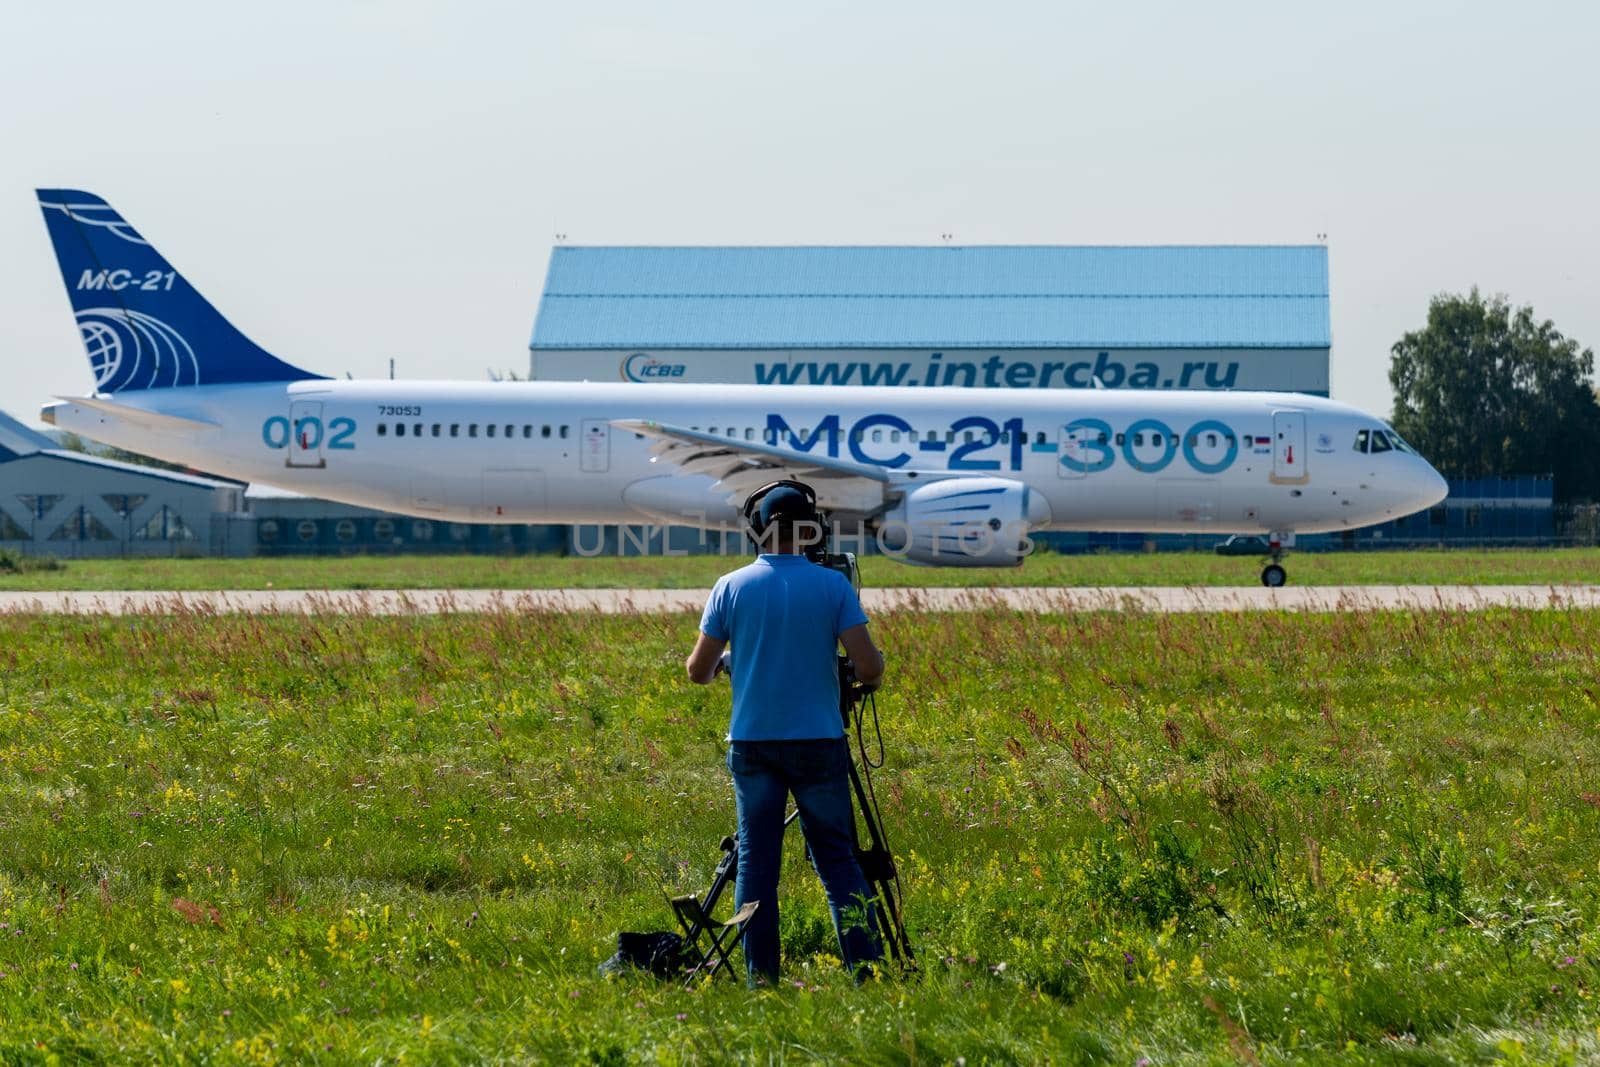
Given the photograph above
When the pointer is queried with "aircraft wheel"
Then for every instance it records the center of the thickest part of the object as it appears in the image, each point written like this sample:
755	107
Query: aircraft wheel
1273	576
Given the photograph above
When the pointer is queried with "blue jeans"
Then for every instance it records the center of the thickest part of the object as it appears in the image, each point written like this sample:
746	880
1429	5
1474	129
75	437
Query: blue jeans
765	773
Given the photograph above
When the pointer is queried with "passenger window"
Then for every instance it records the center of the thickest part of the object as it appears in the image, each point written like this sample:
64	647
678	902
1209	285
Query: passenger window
857	435
949	437
399	429
1138	440
416	429
1038	438
1102	438
436	429
383	429
455	429
544	431
749	433
489	429
563	431
772	436
1361	440
510	429
913	436
894	436
1211	440
877	435
472	429
527	430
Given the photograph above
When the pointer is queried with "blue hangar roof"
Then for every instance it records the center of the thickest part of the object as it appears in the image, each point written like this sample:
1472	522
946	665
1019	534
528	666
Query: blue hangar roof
1036	296
17	440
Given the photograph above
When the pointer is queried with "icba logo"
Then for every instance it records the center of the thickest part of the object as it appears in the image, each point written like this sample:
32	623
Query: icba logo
640	367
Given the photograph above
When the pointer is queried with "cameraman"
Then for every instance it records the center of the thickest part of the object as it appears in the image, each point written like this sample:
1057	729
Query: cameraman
785	617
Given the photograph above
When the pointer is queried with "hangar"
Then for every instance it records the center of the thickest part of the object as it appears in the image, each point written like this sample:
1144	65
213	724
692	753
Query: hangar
57	502
1036	316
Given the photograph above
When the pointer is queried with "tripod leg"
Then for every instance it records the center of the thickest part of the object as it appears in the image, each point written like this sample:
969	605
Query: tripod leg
881	876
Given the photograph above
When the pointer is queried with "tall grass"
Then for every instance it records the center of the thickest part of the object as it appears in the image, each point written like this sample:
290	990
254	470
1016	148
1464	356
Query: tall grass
1182	838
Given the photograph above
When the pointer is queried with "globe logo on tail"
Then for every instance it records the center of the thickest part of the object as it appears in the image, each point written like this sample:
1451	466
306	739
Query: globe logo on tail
105	350
129	349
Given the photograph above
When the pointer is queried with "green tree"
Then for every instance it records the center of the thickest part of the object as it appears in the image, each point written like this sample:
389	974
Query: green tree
74	443
1485	389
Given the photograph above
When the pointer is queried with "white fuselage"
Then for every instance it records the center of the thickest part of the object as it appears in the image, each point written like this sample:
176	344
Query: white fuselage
1105	460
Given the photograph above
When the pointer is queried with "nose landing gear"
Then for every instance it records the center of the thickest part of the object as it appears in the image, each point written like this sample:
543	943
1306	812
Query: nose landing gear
1273	575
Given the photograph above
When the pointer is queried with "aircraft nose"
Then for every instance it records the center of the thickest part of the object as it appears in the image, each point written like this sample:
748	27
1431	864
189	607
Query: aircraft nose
1433	487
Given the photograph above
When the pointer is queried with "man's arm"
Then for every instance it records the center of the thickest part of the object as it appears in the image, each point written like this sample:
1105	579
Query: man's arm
863	653
702	662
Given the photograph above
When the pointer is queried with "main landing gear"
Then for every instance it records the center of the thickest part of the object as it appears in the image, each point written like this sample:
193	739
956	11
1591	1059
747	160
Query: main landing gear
1273	575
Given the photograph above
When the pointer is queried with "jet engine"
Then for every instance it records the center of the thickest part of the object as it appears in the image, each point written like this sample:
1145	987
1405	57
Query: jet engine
964	522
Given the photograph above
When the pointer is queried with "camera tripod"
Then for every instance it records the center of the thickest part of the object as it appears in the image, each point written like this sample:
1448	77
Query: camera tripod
877	862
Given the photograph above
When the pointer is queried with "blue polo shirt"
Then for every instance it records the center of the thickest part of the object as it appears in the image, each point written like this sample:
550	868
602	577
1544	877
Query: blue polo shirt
782	616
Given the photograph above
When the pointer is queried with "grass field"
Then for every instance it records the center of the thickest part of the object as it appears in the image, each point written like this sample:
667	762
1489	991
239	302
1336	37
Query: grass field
1126	838
1435	567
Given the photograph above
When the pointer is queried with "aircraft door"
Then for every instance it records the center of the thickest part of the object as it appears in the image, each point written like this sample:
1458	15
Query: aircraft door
1289	446
1073	458
594	456
305	434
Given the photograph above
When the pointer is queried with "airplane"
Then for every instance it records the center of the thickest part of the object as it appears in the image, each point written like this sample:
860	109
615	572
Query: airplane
942	477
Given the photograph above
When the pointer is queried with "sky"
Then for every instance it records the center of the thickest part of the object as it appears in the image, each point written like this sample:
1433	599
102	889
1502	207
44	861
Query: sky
354	182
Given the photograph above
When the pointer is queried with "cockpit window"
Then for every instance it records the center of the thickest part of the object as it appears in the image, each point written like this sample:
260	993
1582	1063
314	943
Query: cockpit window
1380	441
1399	444
1363	440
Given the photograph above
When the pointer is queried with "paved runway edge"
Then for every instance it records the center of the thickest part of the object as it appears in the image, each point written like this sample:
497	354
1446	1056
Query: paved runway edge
1158	599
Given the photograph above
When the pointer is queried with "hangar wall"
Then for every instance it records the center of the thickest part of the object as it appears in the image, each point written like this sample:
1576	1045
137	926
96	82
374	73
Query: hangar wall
1189	317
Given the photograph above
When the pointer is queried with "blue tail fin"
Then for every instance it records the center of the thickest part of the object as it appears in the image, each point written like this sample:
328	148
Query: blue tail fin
144	326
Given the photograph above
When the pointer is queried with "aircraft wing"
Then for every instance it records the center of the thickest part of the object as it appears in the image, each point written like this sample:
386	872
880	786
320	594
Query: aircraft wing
740	467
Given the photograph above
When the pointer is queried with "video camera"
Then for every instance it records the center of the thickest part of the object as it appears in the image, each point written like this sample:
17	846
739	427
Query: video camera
843	562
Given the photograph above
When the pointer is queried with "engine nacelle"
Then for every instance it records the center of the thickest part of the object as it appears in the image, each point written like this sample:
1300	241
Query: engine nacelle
964	522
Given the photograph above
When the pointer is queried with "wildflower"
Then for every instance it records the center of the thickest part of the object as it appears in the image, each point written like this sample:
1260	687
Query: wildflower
682	1015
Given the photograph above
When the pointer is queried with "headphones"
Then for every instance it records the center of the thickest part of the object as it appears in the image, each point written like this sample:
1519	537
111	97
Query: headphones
760	510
